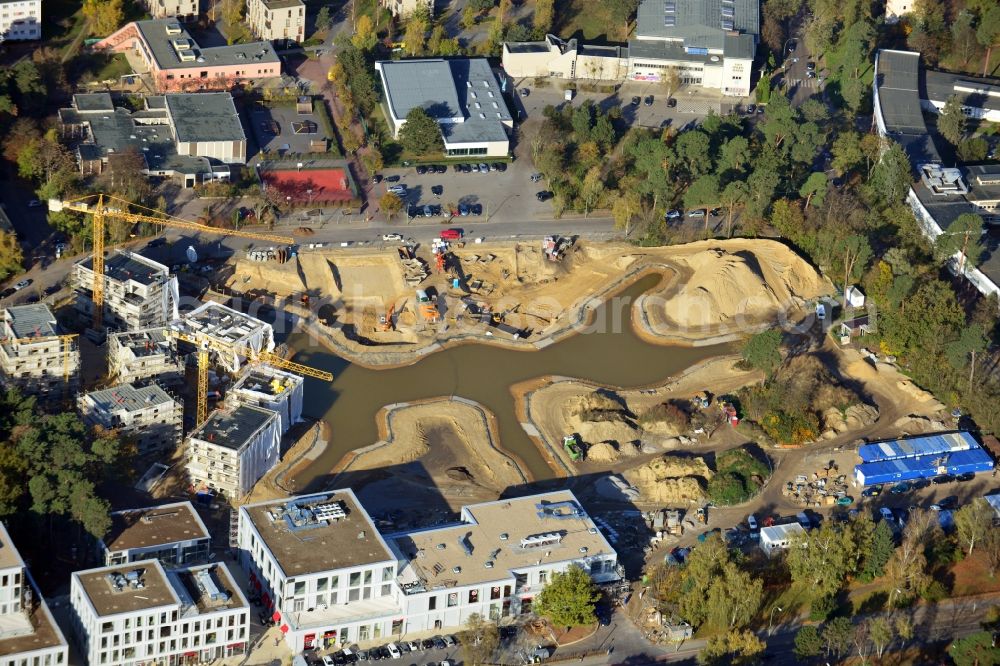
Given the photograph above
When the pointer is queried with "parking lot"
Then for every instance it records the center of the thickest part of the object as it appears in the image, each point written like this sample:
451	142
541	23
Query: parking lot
499	196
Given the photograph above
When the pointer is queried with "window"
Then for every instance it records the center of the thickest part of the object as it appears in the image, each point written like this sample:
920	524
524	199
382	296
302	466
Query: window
355	579
452	599
300	588
354	594
432	603
368	577
473	596
386	574
321	584
386	590
495	592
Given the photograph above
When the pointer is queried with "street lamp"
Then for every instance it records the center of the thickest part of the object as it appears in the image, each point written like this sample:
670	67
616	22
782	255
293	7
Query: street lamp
770	622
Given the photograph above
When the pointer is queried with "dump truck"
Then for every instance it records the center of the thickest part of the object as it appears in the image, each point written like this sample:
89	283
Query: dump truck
572	448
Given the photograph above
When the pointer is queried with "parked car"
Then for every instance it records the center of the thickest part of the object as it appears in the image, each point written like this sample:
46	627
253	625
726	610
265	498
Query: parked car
328	660
156	242
439	643
52	288
697	212
751	109
466	168
885	513
394	650
392	237
872	491
525	92
421	170
427	643
413	646
22	284
901	487
376	179
715	212
752	522
648	101
942	479
811	66
966	476
950	502
450	641
392	179
9	291
636	100
450	234
35	203
457	168
544	195
501	166
476	209
463	209
535	177
671	103
920	484
760	109
437	190
674	214
396	189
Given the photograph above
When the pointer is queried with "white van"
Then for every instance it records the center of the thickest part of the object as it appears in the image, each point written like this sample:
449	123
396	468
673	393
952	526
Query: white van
394	650
569	95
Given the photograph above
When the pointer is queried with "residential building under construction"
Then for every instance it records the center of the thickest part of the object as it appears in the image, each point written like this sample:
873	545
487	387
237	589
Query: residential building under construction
145	354
148	416
224	328
233	448
34	356
138	292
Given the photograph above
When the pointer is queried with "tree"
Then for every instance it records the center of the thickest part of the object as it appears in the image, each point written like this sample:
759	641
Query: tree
670	80
962	352
846	151
879	551
324	19
964	238
837	636
973	522
808	642
733	196
103	16
416	32
763	89
624	209
10	255
973	150
891	179
990	549
390	204
815	186
569	600
544	13
821	559
420	134
735	154
479	640
988	33
518	33
622	12
364	37
469	16
763	350
951	121
854	252
717	591
963	36
881	634
975	650
906	571
591	189
732	648
702	192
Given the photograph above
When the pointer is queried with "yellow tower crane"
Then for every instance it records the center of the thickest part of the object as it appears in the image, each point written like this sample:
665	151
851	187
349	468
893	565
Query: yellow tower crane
205	345
104	206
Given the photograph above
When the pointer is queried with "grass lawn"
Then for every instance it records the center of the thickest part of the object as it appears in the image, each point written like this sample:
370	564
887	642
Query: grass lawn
975	64
972	577
586	19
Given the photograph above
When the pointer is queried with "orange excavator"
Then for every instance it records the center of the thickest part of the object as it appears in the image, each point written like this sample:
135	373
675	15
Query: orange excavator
440	262
387	324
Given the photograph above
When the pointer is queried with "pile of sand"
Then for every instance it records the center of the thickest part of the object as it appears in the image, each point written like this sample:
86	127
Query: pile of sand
836	422
751	284
671	479
917	425
279	279
601	416
602	452
919	394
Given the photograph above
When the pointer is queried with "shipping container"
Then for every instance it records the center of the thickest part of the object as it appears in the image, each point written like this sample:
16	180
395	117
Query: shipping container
913	447
906	469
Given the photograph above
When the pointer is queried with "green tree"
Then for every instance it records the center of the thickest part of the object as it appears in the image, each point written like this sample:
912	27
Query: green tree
470	16
763	89
988	33
482	5
808	642
626	206
880	630
390	204
732	648
837	636
732	197
569	600
416	32
364	37
820	560
763	351
324	19
975	650
717	591
420	134
846	151
702	192
591	189
480	640
964	238
879	551
694	151
973	522
622	12
517	33
973	150
951	121
544	13
891	179
735	154
670	81
11	259
906	571
854	252
814	188
963	36
103	16
761	186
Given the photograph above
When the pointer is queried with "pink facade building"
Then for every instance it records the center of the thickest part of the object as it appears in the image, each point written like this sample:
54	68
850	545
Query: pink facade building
177	63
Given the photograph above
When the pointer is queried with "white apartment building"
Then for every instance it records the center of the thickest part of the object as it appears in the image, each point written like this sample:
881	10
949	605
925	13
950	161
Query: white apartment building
277	20
270	388
173	533
146	353
223	327
140	613
497	559
20	20
233	448
29	635
33	358
404	8
145	415
185	10
138	292
319	561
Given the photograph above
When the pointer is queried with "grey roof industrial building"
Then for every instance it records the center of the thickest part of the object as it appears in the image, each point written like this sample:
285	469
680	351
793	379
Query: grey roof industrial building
688	29
462	94
161	34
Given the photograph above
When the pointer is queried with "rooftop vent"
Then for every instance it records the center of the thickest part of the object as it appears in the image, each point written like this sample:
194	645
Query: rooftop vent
441	546
489	564
173	28
504	536
463	541
583	550
540	540
456	570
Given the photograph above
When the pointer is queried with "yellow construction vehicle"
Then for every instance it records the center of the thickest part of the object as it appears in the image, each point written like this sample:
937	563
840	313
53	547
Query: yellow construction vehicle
205	345
104	206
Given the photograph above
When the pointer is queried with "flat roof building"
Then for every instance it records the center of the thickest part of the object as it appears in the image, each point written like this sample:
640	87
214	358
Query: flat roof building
461	94
173	533
320	562
146	353
778	537
147	416
20	20
565	60
193	137
711	43
184	10
270	388
138	292
35	356
177	62
233	448
979	95
28	633
912	447
227	327
142	613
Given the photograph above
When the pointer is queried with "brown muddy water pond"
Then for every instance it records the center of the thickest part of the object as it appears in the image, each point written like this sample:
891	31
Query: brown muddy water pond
607	352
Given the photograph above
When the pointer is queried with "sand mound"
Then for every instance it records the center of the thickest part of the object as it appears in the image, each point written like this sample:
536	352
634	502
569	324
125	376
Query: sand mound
918	394
751	284
854	417
601	417
668	467
915	425
618	432
280	279
673	491
671	479
319	275
602	452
